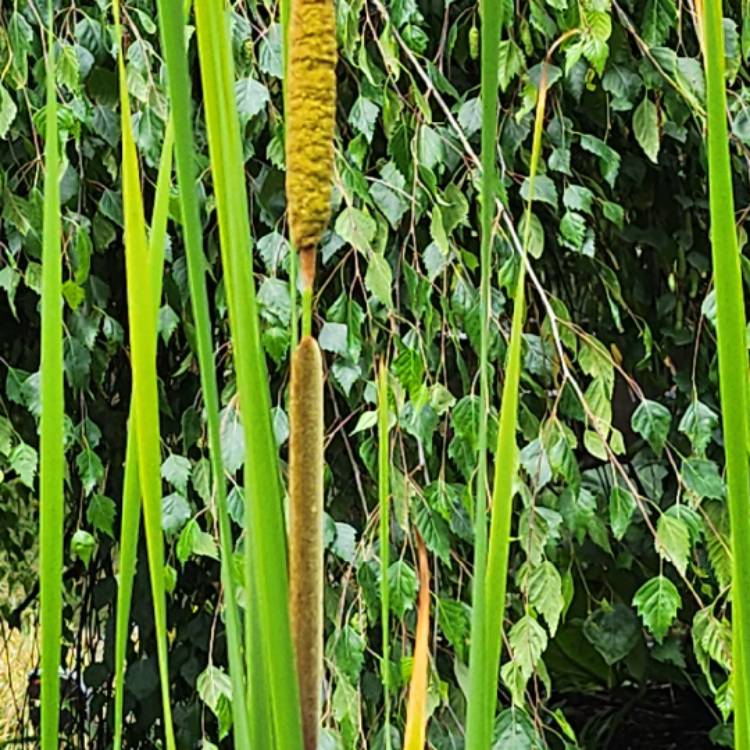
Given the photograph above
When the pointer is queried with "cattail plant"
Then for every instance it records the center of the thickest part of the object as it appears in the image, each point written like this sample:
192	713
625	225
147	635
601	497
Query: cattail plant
733	363
310	102
53	409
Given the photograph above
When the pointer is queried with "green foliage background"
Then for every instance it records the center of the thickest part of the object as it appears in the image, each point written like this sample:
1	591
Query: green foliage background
620	567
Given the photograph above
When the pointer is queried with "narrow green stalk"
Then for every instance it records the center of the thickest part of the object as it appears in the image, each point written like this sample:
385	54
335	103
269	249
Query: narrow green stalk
131	496
129	526
284	16
307	300
506	455
265	557
52	470
733	363
502	495
481	705
384	458
293	331
172	25
142	311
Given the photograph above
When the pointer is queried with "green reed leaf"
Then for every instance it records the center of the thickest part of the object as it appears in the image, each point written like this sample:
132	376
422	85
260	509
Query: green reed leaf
52	467
384	459
507	449
479	712
131	495
265	559
172	25
284	16
490	580
733	362
142	311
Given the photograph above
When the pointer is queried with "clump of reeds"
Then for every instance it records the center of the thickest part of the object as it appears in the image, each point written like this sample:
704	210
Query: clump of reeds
131	489
143	292
172	27
491	556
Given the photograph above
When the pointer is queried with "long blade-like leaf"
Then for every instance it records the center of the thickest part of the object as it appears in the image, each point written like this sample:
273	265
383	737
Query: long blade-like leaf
478	719
130	516
416	712
733	363
284	16
384	492
506	454
131	494
172	27
266	550
53	408
142	308
488	618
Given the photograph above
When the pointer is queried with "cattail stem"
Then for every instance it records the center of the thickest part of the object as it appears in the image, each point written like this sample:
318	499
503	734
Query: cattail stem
306	531
384	457
52	505
732	350
307	299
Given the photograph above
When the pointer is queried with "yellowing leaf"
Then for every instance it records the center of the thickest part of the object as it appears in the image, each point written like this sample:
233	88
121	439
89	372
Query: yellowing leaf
416	712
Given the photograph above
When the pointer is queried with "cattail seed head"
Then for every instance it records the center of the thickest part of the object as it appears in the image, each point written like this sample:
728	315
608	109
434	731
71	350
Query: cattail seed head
306	530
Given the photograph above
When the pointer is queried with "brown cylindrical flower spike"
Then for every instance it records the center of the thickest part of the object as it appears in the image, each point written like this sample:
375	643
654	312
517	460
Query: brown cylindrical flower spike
306	530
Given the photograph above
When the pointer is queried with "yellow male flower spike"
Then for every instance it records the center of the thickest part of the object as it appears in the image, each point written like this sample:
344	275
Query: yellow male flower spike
311	112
